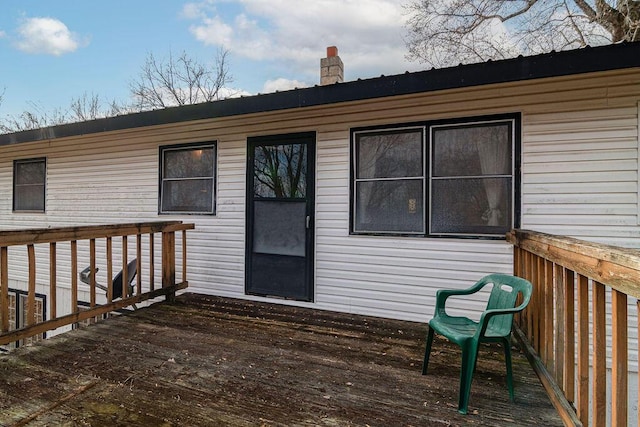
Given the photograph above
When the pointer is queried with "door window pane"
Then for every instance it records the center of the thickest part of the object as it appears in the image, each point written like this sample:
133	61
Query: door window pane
188	179
280	171
279	228
29	180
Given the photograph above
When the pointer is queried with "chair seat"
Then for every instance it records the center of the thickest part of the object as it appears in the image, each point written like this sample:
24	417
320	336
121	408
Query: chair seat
459	329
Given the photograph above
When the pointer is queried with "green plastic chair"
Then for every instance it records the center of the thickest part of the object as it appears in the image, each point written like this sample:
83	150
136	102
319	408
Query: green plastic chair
494	326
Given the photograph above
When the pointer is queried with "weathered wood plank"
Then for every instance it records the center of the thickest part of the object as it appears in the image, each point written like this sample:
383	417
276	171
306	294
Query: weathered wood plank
139	264
74	276
125	270
31	297
152	267
48	235
619	360
560	316
53	291
599	352
4	289
92	273
205	361
184	255
109	254
79	316
569	349
168	260
582	405
618	267
549	305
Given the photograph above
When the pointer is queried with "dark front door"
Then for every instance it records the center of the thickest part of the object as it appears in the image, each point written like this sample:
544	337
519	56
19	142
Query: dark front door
280	206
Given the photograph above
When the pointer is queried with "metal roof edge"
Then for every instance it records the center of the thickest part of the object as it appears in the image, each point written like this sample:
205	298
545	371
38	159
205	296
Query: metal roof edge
553	64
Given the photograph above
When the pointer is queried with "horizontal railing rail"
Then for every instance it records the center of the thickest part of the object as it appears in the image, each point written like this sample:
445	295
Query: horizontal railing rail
100	245
568	326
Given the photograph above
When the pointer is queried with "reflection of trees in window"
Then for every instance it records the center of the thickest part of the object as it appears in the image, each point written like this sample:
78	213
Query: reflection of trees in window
390	181
190	163
188	175
473	165
29	185
470	170
280	170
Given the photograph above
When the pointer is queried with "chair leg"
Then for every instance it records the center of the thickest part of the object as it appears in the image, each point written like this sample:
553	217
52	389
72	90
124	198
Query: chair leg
427	351
507	359
469	357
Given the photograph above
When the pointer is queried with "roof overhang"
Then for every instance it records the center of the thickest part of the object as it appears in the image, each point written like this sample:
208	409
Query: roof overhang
554	64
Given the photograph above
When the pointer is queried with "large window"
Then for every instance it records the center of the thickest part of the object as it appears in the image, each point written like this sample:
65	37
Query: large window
435	179
29	178
187	181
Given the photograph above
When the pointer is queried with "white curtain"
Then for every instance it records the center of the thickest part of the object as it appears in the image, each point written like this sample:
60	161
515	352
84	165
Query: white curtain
493	148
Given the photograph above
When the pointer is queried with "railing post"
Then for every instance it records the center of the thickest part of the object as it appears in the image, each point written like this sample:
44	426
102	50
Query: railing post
619	362
52	281
599	352
169	261
582	392
4	288
31	297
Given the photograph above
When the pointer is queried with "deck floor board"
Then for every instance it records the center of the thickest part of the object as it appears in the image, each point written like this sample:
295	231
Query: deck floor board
204	361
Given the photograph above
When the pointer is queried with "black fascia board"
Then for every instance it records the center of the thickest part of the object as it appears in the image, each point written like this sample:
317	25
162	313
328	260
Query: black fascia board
554	64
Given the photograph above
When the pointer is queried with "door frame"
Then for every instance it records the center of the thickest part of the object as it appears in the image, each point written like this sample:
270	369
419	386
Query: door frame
308	138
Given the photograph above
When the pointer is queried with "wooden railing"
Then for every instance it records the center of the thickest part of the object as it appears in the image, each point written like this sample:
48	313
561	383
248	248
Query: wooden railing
55	254
567	323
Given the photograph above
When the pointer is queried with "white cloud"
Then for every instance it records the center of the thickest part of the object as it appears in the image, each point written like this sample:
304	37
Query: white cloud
229	92
2	34
282	84
368	33
46	35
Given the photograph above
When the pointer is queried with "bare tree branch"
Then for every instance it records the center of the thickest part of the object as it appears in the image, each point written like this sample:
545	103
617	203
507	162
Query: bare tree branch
179	81
445	32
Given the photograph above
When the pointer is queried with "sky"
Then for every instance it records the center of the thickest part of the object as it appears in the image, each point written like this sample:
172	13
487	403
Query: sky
54	51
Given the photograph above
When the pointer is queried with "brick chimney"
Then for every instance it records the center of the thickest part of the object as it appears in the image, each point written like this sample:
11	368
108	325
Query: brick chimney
331	68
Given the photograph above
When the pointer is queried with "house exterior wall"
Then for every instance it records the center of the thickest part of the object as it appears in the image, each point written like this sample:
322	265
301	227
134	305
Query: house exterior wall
579	178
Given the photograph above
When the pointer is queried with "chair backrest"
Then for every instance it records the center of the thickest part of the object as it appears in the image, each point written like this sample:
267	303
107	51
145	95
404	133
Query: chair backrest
132	269
504	294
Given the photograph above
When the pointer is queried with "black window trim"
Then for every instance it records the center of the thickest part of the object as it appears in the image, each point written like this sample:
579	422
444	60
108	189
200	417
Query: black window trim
516	124
188	146
44	185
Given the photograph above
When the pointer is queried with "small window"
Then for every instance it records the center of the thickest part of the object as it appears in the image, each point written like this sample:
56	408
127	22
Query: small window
187	179
29	178
389	181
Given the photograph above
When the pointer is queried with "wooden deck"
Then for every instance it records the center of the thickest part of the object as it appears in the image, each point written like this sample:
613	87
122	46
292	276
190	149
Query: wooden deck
208	361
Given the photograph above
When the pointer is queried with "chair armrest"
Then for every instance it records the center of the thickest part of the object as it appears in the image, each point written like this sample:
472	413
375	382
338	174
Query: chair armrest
443	294
488	314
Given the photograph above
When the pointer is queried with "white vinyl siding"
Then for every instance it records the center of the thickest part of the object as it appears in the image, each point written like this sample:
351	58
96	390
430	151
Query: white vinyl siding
580	174
579	177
